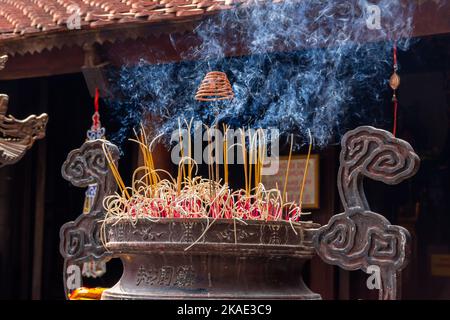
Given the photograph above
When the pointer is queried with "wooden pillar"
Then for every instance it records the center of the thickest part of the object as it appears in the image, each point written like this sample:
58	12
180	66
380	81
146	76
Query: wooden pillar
39	208
5	231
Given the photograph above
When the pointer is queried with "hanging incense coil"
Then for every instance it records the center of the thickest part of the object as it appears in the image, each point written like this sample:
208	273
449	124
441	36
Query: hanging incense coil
214	87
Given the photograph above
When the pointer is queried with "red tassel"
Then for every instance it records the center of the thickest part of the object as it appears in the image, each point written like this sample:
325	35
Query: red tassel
95	118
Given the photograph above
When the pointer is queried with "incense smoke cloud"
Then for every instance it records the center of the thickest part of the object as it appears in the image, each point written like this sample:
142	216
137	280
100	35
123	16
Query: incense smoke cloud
328	73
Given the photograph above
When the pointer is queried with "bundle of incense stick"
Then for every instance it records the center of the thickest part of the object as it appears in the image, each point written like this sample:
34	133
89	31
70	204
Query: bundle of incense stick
156	194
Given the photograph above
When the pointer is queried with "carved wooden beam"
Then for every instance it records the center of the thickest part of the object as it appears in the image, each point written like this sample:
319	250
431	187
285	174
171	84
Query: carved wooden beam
129	42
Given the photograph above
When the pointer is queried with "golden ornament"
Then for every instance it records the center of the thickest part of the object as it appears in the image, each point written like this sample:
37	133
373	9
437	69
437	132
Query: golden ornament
394	81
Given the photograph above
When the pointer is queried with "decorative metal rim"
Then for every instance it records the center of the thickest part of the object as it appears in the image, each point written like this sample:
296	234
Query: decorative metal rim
302	224
192	235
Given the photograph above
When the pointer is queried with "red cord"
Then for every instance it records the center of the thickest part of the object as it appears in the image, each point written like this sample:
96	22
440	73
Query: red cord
394	97
96	117
97	94
394	129
395	54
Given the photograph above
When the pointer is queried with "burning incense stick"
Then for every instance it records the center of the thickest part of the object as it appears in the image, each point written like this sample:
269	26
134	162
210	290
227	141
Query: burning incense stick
250	160
305	173
287	169
180	140
189	125
216	151
225	153
261	155
210	164
115	172
244	158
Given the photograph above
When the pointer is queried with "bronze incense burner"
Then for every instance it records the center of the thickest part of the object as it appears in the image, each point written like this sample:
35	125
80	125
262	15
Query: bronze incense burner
227	259
189	259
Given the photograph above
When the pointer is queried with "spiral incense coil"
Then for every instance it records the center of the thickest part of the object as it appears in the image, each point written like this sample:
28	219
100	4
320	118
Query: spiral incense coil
214	87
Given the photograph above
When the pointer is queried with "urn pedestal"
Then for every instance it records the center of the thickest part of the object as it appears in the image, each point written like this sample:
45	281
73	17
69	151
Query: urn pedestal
221	259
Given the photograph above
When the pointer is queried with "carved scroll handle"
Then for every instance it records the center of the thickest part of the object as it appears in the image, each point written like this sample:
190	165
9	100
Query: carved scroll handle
80	239
359	238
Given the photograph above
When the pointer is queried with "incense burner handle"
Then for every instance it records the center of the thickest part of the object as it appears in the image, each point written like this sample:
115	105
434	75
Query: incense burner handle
359	238
80	240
